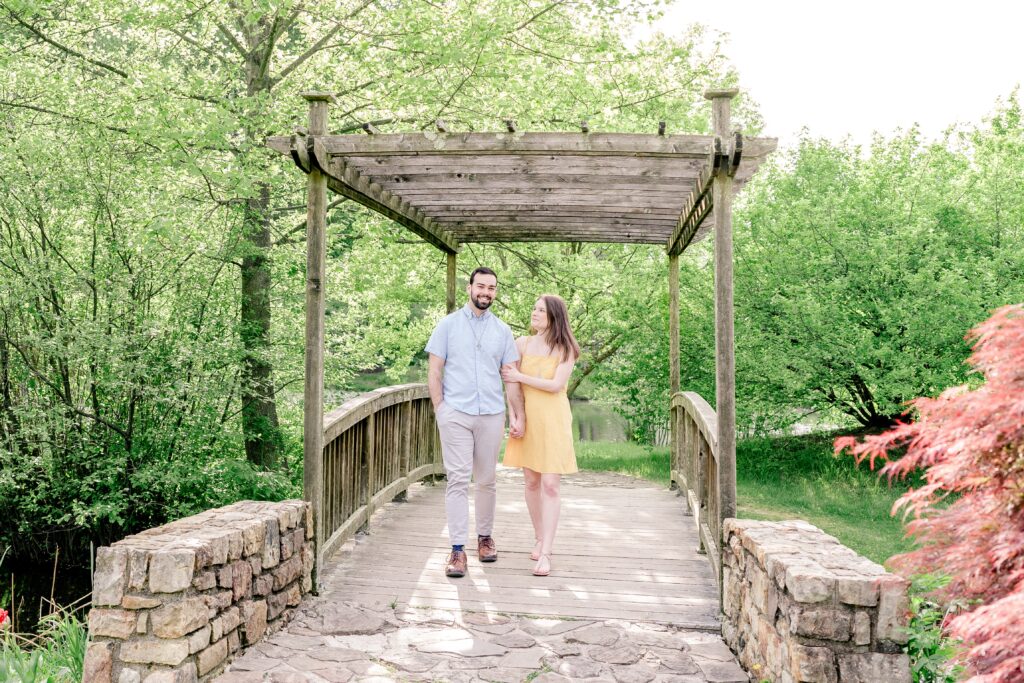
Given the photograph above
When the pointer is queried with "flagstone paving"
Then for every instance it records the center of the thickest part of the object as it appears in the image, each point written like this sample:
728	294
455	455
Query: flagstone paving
626	602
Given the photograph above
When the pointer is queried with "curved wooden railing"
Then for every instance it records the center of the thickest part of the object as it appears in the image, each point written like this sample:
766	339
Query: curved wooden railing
376	445
695	469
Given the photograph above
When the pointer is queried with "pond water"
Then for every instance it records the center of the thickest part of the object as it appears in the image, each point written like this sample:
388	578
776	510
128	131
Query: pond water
597	422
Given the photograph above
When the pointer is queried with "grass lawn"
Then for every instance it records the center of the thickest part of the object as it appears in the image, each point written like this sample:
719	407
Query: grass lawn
786	478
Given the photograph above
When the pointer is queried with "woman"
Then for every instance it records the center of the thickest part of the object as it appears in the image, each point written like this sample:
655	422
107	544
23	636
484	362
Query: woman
545	452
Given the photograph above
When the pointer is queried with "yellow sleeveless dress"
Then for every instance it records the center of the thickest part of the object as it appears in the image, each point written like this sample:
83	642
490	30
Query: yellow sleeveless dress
547	445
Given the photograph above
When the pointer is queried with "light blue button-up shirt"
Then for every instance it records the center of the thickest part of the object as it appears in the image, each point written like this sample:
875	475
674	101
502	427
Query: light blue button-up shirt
474	348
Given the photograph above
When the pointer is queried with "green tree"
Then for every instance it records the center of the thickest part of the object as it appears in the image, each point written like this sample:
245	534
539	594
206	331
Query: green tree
856	272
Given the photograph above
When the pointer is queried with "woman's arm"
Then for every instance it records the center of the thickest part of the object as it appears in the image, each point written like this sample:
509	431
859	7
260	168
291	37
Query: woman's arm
553	385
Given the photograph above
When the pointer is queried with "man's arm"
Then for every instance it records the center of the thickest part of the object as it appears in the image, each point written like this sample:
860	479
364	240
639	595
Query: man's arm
434	375
516	409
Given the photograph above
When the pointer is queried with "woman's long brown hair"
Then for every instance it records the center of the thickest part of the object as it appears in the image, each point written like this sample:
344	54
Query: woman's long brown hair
559	334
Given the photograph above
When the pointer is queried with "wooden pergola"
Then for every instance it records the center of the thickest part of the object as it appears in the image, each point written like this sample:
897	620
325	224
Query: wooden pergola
455	188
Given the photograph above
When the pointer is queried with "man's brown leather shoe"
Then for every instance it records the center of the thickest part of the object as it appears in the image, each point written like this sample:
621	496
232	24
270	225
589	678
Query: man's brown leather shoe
486	550
455	566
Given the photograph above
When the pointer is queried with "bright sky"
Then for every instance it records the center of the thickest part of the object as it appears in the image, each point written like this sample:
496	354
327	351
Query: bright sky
850	68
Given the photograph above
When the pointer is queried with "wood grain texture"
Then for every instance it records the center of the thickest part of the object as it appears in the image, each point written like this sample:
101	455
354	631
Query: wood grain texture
425	180
623	551
313	391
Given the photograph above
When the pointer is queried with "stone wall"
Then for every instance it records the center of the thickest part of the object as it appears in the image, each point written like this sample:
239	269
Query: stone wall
801	607
171	604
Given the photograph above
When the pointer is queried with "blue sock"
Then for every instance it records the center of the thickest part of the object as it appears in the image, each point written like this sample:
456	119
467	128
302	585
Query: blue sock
457	548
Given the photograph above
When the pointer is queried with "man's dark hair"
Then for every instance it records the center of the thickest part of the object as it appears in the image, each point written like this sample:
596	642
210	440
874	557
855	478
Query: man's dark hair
482	271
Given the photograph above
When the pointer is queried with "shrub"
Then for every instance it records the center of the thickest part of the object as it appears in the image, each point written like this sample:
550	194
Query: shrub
968	514
55	655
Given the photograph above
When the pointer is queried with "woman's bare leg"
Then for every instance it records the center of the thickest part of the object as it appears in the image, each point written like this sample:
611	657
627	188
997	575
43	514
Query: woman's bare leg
532	492
551	505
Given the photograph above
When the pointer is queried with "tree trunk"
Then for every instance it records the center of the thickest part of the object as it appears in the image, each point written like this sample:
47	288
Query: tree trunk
259	408
260	428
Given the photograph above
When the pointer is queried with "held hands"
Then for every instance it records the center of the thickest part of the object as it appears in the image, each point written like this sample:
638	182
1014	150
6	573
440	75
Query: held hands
510	374
517	427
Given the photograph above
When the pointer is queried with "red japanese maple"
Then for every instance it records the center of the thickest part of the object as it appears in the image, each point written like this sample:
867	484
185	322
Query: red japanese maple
969	444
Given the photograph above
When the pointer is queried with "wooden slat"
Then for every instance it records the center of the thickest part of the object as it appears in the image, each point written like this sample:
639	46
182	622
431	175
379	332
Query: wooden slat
348	183
583	225
617	238
560	211
698	205
419	179
595	196
499	144
527	164
491	180
604	144
456	200
626	553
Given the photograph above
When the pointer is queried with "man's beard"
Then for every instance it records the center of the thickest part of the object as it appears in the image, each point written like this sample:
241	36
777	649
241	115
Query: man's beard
482	305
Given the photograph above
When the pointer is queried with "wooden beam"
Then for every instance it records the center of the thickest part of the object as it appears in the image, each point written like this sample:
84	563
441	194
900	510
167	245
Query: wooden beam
626	238
585	144
349	183
538	181
627	145
673	323
441	126
313	395
664	226
526	163
737	154
661	127
474	199
725	360
697	207
580	210
584	127
371	129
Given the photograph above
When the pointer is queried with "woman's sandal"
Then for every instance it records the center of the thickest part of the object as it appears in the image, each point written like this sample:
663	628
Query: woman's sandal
535	553
539	572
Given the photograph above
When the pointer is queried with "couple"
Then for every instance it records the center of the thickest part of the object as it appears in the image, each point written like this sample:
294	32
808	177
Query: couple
471	353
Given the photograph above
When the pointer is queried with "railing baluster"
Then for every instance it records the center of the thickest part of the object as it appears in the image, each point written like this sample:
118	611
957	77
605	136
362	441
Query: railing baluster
374	447
696	457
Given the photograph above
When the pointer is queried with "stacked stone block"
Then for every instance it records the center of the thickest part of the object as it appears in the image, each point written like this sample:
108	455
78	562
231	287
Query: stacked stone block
171	604
802	608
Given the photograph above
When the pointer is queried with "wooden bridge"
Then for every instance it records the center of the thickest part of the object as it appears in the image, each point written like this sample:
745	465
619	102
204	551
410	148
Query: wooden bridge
645	558
625	549
632	596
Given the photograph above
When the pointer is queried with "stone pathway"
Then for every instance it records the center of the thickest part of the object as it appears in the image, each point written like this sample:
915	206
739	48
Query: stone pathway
348	634
342	642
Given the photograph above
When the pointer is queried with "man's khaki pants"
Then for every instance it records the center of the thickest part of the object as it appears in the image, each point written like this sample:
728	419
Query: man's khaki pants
469	446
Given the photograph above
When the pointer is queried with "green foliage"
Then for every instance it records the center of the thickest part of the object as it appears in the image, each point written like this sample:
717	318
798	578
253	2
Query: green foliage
55	655
630	459
784	478
933	654
858	270
797	477
151	247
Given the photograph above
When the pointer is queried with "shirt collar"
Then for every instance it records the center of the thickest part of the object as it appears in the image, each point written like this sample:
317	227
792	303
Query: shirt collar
468	310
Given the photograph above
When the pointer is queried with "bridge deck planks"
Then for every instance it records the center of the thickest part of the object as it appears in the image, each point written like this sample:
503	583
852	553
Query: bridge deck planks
624	551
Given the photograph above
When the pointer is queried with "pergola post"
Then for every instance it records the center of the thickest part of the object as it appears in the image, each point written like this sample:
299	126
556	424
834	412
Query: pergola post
673	322
313	397
725	359
450	283
673	350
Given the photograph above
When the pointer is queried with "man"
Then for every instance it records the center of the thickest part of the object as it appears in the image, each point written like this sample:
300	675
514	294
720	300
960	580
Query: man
467	351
